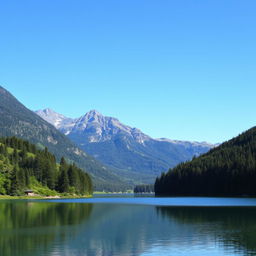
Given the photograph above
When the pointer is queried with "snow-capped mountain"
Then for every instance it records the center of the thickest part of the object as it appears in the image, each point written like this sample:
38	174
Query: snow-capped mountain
98	128
121	146
62	123
94	125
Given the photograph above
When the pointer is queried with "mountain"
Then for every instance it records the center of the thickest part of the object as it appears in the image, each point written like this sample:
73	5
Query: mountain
17	120
57	120
227	170
122	147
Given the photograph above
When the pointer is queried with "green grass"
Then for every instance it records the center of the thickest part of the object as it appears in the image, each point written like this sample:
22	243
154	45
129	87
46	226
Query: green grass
10	151
7	197
20	197
39	189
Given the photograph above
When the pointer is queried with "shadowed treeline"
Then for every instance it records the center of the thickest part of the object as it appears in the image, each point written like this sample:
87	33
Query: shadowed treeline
228	170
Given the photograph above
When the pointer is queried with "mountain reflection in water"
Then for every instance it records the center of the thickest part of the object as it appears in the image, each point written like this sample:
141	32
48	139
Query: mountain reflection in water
105	229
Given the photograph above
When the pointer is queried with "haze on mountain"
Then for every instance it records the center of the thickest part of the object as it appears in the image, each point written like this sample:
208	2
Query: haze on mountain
17	120
126	149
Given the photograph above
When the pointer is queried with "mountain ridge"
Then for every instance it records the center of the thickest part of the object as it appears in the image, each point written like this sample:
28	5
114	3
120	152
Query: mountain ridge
48	117
123	147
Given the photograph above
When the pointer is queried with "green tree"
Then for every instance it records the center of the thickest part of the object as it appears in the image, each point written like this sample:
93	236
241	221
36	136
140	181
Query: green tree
14	189
63	184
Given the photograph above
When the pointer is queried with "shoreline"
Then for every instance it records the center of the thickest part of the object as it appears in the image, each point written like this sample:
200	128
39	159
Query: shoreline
8	197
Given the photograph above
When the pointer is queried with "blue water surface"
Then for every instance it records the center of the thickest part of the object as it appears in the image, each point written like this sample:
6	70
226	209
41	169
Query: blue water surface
124	225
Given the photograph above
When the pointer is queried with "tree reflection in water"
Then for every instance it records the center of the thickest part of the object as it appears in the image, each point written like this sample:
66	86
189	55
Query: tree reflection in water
28	228
103	229
233	227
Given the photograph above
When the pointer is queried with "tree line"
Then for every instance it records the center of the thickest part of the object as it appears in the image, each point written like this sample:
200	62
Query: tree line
23	165
144	188
227	170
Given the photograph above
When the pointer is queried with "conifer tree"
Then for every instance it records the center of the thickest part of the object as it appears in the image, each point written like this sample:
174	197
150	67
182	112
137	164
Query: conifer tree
19	166
14	189
63	184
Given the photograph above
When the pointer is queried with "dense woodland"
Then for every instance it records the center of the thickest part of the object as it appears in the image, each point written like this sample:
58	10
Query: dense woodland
23	166
144	188
229	169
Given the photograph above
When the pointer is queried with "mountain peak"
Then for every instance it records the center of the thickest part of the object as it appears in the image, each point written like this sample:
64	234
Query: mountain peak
47	111
93	113
51	116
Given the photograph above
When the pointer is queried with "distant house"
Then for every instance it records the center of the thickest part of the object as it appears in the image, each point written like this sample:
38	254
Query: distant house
29	192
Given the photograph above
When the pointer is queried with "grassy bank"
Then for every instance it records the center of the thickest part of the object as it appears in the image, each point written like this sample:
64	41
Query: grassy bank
4	197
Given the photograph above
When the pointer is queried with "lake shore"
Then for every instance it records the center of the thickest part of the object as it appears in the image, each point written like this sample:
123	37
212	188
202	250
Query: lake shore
8	197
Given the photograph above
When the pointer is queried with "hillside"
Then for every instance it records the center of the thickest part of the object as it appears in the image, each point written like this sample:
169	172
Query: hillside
17	120
23	166
122	147
228	170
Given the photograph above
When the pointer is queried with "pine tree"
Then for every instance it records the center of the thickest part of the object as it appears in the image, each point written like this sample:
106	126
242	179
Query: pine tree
14	189
18	167
73	176
63	184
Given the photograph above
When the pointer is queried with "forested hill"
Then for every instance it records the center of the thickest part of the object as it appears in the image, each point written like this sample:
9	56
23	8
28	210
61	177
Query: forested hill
23	166
229	169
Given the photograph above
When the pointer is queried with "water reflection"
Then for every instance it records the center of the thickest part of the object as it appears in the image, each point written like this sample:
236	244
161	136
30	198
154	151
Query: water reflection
234	228
148	230
37	228
29	228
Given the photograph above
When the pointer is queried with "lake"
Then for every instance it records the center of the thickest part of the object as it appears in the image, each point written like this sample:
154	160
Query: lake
128	226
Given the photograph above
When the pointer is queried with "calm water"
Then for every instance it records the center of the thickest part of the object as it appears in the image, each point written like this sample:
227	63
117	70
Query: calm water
129	226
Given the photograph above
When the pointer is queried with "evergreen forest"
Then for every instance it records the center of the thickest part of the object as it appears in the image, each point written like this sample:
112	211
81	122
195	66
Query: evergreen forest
227	170
144	188
25	167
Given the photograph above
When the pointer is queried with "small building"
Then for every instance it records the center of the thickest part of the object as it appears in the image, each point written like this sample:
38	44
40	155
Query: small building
29	192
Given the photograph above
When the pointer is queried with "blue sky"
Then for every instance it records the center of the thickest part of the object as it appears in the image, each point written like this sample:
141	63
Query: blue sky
178	69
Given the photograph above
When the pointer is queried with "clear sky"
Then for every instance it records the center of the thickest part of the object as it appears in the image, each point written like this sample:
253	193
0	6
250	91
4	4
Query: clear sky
181	69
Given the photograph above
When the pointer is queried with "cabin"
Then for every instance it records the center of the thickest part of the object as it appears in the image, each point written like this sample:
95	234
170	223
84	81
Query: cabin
29	192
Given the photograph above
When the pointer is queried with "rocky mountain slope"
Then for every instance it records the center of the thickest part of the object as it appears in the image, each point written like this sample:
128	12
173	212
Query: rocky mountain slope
123	147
